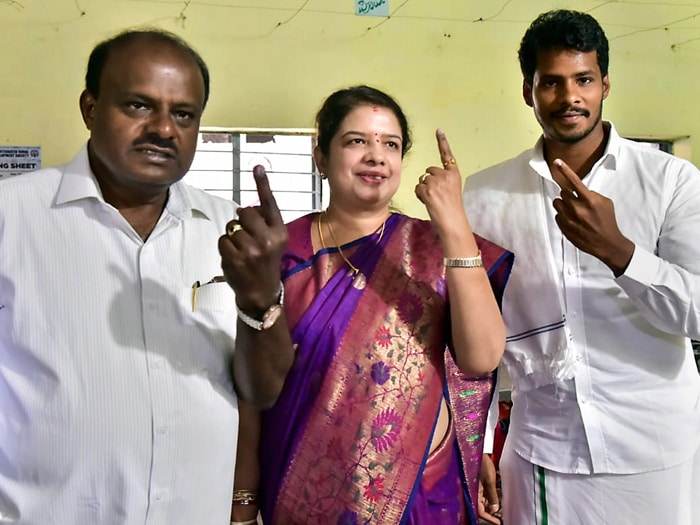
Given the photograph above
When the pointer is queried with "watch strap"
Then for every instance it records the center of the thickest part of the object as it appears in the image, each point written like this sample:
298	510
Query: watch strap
259	324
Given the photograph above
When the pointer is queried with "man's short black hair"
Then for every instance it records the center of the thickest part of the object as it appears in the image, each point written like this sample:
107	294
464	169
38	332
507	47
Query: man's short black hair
100	54
562	29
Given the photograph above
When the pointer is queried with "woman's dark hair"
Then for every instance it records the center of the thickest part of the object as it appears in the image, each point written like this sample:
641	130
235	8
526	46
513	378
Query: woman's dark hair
338	105
100	54
566	30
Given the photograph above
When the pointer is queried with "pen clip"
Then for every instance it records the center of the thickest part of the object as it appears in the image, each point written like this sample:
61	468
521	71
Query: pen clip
195	287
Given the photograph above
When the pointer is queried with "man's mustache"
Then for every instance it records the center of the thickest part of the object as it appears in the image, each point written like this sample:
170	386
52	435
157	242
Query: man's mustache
571	111
157	141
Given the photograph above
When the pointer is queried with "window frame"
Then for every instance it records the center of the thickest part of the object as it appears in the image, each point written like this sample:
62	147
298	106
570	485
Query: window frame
309	198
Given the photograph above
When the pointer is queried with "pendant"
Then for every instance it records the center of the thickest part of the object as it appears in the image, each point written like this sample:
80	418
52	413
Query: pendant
359	281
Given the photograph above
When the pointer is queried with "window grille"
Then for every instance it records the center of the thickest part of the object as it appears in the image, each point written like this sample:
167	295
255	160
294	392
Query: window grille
224	161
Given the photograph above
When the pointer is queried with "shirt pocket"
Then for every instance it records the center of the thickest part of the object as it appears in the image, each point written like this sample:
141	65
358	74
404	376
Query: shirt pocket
214	296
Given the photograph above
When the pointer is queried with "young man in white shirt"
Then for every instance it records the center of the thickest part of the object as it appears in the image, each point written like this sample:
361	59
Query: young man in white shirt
601	304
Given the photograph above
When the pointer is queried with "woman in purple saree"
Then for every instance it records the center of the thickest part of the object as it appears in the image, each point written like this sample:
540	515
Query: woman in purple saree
382	414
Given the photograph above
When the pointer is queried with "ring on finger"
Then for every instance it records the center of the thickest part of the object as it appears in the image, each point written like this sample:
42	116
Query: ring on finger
422	178
449	161
232	227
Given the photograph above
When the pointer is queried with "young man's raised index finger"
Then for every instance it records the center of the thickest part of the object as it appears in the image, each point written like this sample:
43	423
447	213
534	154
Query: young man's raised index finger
268	204
566	178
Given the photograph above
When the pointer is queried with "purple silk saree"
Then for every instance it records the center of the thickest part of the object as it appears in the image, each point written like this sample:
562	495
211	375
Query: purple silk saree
347	440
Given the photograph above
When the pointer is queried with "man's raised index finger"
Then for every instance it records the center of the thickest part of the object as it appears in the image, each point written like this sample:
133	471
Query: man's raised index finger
567	178
268	204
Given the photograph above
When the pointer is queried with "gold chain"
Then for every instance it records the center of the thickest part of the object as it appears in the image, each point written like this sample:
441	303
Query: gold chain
354	268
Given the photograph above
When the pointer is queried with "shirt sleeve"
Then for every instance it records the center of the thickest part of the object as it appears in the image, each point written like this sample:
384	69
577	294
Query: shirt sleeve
665	285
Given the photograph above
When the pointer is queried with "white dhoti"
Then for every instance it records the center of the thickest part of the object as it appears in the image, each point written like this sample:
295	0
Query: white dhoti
533	495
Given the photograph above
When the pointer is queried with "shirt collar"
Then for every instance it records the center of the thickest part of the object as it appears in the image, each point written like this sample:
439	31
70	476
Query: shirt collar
79	182
609	158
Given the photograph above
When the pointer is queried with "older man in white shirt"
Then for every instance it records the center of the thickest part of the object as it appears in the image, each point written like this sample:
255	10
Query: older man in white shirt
115	348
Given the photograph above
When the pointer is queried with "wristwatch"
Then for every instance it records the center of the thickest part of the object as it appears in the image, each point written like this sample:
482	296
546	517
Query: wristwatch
270	316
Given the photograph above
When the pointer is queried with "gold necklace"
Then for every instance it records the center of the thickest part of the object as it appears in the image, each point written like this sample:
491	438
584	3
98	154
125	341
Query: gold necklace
355	269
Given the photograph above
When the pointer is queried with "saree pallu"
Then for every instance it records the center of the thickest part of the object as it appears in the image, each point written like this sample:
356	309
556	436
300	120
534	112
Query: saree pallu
348	439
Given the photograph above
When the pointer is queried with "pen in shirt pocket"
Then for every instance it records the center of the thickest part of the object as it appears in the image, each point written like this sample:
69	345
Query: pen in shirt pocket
197	285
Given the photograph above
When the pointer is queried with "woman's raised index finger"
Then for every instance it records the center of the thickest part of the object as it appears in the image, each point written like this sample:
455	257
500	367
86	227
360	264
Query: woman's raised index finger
268	204
444	147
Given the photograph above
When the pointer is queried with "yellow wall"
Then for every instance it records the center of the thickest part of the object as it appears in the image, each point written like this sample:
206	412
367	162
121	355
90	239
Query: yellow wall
271	67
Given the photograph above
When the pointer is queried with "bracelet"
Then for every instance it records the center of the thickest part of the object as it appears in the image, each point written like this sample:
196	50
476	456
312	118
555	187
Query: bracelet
463	262
245	497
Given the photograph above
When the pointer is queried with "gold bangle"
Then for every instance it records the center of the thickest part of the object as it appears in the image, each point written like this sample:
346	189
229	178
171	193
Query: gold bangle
245	497
463	262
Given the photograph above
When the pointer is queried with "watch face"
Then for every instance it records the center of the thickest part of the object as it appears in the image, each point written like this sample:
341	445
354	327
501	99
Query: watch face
270	317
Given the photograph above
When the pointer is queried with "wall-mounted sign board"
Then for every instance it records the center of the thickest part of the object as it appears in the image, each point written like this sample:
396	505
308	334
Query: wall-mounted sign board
15	160
372	7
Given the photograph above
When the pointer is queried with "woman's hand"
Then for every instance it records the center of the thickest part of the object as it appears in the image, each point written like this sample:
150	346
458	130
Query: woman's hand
440	189
478	334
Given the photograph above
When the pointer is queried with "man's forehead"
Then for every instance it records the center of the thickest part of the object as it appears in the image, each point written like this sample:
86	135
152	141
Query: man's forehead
136	57
587	60
149	45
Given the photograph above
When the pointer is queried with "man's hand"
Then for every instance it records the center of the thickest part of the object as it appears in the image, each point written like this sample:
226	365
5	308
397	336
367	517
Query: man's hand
587	219
488	504
252	248
251	252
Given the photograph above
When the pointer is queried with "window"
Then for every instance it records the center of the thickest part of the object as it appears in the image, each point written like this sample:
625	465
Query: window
676	145
224	161
664	145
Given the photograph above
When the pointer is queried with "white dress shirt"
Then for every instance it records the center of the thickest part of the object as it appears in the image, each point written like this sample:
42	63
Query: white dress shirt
633	403
117	398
